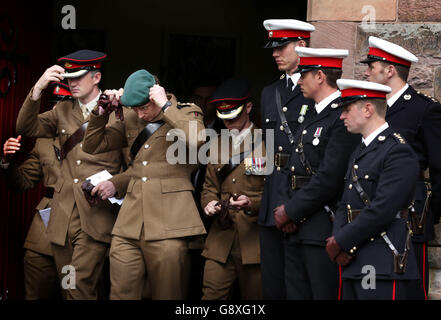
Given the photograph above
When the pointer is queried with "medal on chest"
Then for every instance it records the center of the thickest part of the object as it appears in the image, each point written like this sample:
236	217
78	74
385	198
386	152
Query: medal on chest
254	166
317	134
302	113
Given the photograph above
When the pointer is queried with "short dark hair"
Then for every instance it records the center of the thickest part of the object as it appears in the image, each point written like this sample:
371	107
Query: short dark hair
332	75
379	104
402	71
307	41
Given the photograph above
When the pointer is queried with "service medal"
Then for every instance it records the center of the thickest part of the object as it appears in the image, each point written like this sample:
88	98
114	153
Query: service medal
302	113
317	134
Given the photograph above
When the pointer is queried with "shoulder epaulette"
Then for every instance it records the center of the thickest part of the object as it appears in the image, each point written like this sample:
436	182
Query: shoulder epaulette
181	105
427	97
399	138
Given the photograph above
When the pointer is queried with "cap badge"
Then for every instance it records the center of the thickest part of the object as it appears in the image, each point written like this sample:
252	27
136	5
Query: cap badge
57	89
67	65
407	97
270	34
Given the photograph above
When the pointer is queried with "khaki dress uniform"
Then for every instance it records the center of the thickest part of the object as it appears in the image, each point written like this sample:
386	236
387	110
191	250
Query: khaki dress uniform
79	233
40	273
234	253
158	218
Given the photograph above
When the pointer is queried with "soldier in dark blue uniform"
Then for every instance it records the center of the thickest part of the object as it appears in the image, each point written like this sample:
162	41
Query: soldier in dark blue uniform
316	170
371	235
417	118
284	36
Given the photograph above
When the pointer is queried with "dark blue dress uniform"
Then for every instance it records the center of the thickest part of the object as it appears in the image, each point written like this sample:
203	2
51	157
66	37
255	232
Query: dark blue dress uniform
418	118
277	186
387	171
311	275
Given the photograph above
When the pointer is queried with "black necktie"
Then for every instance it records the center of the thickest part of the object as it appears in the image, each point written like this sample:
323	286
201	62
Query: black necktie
289	86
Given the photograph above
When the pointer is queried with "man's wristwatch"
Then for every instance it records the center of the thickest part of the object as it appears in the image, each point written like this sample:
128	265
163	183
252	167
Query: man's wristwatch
166	105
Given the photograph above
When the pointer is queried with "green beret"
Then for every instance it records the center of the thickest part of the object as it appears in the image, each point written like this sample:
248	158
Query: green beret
137	88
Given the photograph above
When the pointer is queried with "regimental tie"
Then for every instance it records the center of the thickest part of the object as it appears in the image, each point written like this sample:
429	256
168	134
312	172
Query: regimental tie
290	85
86	112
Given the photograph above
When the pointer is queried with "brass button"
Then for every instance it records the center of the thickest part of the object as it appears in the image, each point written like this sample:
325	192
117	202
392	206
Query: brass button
234	180
63	131
293	168
267	120
350	187
280	148
146	146
144	163
355	166
144	179
278	168
372	239
304	132
366	177
81	145
285	109
281	128
76	180
78	162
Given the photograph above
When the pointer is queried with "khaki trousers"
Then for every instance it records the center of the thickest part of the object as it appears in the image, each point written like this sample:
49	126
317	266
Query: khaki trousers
219	277
165	264
86	256
40	276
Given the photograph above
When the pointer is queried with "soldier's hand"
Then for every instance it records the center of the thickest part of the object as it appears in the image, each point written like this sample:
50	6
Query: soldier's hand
212	208
114	94
104	190
11	146
157	95
333	249
343	259
280	216
54	73
290	227
242	202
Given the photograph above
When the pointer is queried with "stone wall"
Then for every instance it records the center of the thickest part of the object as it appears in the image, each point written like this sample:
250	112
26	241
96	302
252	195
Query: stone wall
413	24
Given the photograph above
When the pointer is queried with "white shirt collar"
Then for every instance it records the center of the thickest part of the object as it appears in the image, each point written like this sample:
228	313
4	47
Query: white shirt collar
319	107
395	97
374	134
238	138
294	78
92	104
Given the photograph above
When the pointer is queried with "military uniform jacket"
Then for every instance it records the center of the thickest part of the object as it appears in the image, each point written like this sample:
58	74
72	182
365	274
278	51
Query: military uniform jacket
418	119
276	187
63	121
159	194
328	159
41	165
219	242
387	171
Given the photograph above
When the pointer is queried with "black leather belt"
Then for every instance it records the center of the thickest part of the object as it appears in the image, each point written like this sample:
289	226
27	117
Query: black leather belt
298	182
281	159
354	213
49	193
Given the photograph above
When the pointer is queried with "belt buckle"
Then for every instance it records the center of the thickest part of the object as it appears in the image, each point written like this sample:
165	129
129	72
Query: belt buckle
293	182
277	159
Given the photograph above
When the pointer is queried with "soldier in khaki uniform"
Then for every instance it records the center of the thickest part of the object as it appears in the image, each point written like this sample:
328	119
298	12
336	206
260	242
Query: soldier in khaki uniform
158	217
40	272
79	233
232	193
